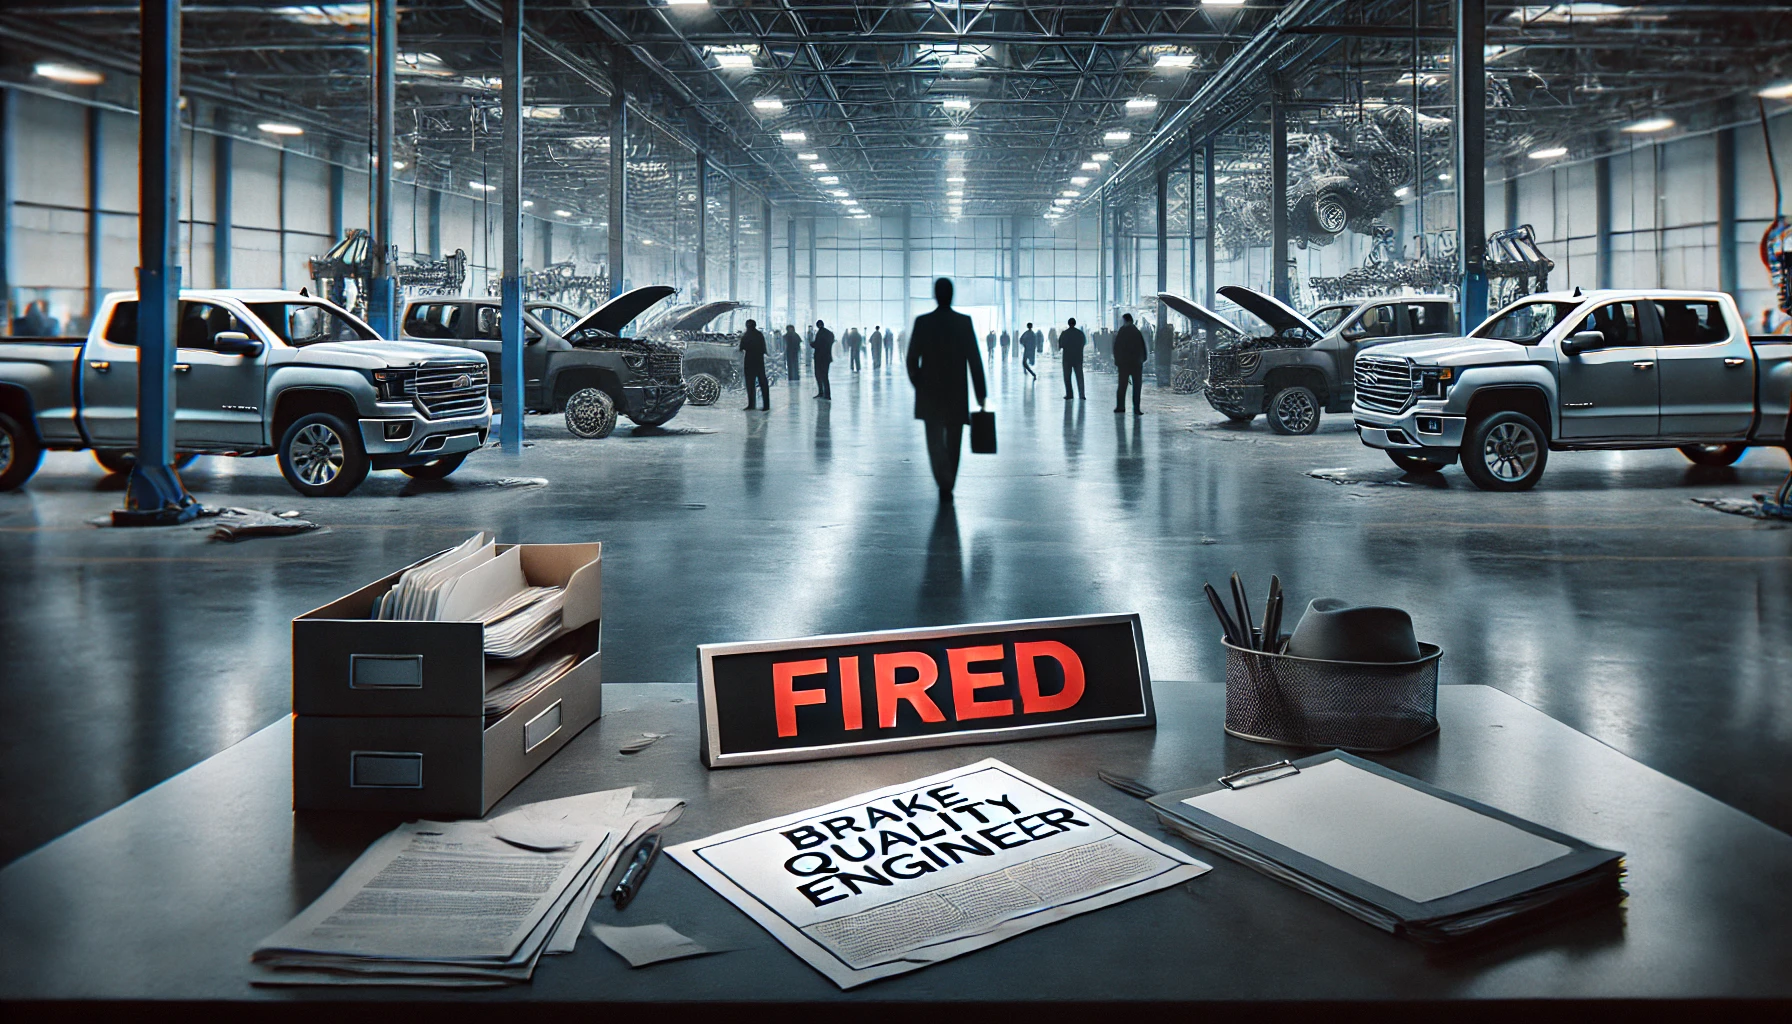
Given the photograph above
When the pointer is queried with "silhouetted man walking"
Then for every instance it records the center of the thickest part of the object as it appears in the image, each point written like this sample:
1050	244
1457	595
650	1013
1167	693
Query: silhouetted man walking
1129	359
941	349
1071	343
1029	341
823	346
793	352
752	347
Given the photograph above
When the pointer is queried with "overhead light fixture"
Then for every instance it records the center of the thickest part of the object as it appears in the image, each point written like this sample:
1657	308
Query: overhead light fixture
1444	176
954	179
1080	180
733	60
1140	105
848	202
528	203
842	193
1649	126
1167	61
955	158
808	156
646	241
1401	191
480	186
280	128
956	103
1101	157
563	213
1117	135
399	165
793	136
960	60
829	179
957	193
769	104
73	74
817	168
1549	153
542	113
1222	3
1777	91
687	3
1090	165
1070	193
1060	202
958	136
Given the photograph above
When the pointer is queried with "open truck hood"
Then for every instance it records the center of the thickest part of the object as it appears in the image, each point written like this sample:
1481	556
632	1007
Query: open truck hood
619	312
691	318
1280	316
1198	313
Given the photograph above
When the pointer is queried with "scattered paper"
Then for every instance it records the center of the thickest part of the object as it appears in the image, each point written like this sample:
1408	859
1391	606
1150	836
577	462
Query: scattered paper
232	523
648	943
641	742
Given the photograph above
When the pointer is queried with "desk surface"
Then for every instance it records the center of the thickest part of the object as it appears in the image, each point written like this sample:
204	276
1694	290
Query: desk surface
164	897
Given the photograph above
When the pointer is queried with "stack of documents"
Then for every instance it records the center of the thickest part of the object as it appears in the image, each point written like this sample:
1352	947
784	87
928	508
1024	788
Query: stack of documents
518	625
502	700
466	903
1403	855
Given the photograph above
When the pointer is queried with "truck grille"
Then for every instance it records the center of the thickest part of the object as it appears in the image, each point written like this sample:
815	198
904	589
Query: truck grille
666	367
1384	383
442	393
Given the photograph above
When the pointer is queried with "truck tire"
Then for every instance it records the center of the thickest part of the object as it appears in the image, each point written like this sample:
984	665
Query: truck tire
1713	454
1505	451
438	470
702	389
1415	464
115	461
20	453
321	456
1293	410
590	413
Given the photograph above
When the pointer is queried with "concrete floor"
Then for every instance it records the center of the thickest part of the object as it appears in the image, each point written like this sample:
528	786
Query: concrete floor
1605	598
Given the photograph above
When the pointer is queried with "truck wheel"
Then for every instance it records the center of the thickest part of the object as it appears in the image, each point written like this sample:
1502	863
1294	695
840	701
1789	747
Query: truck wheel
1713	454
20	454
590	413
321	457
702	389
114	461
1505	452
1414	464
1293	410
437	470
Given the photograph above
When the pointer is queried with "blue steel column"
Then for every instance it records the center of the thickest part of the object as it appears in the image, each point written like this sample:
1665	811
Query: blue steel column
154	495
702	228
1194	168
222	160
385	58
1728	276
1471	157
1602	222
511	315
618	168
790	269
765	225
7	120
1160	339
1278	195
336	191
96	167
1207	201
435	224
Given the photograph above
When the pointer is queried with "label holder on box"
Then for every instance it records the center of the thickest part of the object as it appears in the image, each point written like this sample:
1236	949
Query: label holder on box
385	671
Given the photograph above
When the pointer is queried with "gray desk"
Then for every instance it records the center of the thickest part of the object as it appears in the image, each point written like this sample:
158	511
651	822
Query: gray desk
163	898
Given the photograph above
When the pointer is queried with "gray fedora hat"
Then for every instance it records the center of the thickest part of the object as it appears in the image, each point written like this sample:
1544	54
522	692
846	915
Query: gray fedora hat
1333	630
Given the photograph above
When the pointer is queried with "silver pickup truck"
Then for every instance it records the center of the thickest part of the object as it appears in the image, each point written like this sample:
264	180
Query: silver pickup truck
1602	370
256	373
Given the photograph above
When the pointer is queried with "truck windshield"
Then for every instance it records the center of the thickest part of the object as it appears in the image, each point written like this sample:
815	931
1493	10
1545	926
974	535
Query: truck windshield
307	323
1327	317
1525	323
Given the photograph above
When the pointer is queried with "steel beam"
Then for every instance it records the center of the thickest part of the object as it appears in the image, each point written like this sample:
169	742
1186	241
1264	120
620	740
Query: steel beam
223	197
1510	191
733	240
435	224
618	228
155	495
1163	274
765	265
510	314
1728	276
812	311
1194	168
1278	196
337	190
790	269
1014	320
381	300
8	118
96	168
280	210
702	228
908	284
1207	229
1470	65
1602	222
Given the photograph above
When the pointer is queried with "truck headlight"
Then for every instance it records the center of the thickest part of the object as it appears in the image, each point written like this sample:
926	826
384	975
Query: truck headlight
1433	381
395	385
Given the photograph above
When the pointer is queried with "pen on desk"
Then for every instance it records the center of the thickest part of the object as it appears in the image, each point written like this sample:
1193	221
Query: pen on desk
636	873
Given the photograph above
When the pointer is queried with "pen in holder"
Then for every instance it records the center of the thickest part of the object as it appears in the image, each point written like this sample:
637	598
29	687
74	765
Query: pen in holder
1272	697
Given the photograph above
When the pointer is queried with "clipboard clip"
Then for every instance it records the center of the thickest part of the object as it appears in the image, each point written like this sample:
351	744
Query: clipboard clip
1260	774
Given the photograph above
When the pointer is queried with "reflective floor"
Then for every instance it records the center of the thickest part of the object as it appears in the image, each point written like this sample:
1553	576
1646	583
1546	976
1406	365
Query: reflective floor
1606	597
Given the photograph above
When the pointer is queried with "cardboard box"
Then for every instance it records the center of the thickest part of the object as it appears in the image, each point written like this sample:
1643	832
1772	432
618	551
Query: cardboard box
389	714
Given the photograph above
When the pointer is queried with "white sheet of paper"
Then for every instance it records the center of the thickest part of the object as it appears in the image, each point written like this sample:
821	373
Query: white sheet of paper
890	881
1388	834
648	943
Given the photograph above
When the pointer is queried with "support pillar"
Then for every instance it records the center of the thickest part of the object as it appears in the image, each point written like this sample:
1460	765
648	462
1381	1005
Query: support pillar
765	265
790	269
510	313
702	228
435	224
1207	229
337	190
1728	276
618	229
1510	194
1471	157
1194	168
1278	195
280	211
381	297
223	198
1160	340
1602	222
908	284
8	118
733	239
96	170
813	316
155	495
1101	263
1014	317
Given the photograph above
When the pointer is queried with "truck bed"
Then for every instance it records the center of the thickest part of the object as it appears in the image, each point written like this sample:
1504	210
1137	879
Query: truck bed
39	376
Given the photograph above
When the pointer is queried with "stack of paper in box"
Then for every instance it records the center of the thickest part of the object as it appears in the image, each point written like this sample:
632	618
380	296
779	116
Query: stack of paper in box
465	903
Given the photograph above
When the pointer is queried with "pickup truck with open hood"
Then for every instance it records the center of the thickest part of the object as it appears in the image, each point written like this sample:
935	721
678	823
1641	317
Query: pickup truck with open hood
256	372
1575	371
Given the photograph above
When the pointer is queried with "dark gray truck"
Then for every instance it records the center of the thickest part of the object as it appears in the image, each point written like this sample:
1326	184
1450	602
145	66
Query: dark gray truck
578	364
256	372
1304	366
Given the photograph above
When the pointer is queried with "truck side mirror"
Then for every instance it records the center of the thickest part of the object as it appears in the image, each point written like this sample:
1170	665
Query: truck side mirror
1581	341
236	343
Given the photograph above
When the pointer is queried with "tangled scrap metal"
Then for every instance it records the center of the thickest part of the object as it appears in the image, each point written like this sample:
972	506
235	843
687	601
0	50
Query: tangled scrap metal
561	282
1433	271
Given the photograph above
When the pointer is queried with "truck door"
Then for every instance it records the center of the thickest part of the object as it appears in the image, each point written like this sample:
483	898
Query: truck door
535	363
1707	374
1612	391
109	380
220	394
487	336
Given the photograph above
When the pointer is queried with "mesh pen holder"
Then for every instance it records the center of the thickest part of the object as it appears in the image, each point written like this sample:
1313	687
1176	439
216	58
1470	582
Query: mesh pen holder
1354	705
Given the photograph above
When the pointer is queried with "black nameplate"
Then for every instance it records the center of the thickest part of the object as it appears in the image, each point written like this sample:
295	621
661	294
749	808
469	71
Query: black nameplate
867	693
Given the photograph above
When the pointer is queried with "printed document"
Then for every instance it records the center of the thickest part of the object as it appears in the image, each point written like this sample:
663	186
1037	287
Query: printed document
890	881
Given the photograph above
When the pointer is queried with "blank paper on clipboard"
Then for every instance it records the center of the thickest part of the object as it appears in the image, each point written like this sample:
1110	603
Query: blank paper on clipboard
1388	834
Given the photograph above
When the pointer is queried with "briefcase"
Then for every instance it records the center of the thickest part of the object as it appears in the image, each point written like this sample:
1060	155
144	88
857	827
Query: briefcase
983	433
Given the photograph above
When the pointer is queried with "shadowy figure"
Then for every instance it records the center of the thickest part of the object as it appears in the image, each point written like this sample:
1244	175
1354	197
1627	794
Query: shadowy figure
1071	343
941	349
877	348
793	353
942	574
1129	359
752	347
1029	341
823	346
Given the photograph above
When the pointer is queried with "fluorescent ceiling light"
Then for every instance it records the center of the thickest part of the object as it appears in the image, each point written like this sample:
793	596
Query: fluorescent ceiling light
793	136
278	128
1549	153
1140	105
958	136
1080	180
733	60
1101	157
71	74
528	203
542	113
957	193
646	241
842	193
1117	135
1070	193
1777	91
770	104
960	60
340	15
818	168
399	165
562	213
1401	191
480	186
955	179
1060	202
1649	126
829	179
808	156
1175	60
956	103
1090	165
848	202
